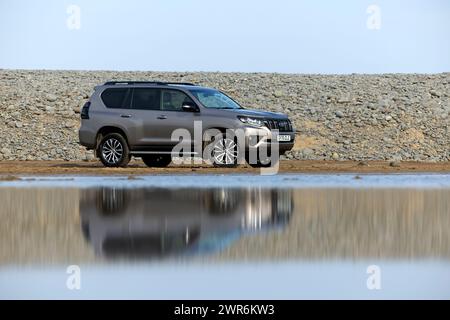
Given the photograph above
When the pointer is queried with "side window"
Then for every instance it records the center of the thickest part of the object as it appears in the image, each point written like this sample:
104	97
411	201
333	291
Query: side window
172	100
116	98
146	98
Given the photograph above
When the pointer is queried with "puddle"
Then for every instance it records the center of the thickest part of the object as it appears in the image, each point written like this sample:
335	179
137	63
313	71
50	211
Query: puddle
311	228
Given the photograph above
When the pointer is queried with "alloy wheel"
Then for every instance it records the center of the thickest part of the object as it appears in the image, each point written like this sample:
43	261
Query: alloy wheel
225	152
112	150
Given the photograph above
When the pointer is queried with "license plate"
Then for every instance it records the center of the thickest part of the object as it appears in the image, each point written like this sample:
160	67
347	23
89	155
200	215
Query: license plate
283	138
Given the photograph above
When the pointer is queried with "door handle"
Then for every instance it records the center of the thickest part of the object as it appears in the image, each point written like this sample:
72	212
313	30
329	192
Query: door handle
162	117
125	115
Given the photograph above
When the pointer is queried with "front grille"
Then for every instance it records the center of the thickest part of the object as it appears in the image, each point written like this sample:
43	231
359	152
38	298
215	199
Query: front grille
280	125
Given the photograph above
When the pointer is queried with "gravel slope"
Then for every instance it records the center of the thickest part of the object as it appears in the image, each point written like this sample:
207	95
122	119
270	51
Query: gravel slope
348	117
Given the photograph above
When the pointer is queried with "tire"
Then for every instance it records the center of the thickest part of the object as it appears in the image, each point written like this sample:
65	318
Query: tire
223	152
113	151
157	160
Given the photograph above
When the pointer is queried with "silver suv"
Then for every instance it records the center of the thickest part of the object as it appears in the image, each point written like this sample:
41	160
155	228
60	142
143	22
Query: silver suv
159	120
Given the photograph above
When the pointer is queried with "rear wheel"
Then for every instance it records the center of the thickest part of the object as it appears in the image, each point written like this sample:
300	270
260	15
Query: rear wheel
157	160
113	151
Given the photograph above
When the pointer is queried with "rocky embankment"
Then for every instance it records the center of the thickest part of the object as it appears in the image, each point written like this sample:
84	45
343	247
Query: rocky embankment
355	117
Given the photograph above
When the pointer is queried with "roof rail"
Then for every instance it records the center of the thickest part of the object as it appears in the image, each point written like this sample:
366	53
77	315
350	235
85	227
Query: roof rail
180	83
157	83
132	82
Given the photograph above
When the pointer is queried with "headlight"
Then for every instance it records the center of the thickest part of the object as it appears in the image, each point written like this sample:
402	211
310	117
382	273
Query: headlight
252	121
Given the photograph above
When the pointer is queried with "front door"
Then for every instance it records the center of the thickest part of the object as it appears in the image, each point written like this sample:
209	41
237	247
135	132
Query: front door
173	117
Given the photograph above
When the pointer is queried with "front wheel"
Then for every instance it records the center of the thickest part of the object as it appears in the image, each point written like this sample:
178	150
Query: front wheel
113	151
223	152
158	161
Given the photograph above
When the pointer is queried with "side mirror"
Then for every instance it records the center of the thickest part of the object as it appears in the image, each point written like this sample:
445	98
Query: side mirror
189	107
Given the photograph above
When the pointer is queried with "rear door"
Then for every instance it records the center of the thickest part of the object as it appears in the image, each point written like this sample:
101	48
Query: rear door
143	116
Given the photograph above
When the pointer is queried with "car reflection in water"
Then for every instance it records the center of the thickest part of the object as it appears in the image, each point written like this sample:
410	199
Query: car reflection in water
162	222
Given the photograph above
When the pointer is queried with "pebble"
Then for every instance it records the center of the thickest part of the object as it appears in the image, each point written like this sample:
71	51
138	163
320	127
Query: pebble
339	114
51	97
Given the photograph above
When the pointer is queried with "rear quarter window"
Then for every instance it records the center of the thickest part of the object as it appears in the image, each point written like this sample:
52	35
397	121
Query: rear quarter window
116	98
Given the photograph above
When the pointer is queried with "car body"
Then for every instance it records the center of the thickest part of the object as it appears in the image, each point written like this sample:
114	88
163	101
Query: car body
146	114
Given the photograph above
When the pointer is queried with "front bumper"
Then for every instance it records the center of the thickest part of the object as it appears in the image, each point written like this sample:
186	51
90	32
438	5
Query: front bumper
256	138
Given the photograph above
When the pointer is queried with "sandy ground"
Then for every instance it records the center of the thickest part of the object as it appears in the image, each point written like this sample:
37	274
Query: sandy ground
11	169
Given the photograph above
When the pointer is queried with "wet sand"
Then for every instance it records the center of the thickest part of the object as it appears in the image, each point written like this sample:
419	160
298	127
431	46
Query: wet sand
10	169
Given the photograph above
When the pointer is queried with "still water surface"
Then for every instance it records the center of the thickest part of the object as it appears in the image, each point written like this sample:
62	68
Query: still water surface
288	236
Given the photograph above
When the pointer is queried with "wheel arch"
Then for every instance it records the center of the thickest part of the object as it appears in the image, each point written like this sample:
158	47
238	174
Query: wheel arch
103	131
219	128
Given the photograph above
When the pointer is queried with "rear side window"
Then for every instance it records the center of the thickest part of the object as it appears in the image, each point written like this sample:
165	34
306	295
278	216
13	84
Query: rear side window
116	98
146	98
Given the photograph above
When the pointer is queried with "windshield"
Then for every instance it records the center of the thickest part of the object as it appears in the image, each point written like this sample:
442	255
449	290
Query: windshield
214	99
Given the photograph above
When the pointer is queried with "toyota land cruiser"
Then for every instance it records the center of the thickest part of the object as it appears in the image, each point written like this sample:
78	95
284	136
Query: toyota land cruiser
138	118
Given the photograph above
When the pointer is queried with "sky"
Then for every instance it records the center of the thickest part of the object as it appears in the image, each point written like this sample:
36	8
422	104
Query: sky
285	36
